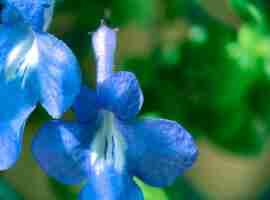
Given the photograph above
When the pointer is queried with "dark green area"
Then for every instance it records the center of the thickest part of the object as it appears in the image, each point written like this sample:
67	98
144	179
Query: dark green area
7	191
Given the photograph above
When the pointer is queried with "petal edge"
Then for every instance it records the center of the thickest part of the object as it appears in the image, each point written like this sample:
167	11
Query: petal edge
158	150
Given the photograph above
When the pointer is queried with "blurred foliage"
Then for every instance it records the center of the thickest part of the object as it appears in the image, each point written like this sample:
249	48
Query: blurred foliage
265	195
7	192
214	81
182	190
62	192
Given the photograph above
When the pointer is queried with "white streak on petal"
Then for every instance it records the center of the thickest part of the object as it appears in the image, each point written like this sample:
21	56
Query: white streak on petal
104	44
108	147
16	57
93	158
23	54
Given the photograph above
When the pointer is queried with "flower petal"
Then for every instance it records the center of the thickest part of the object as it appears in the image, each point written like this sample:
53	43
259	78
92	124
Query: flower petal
158	150
61	150
15	43
10	141
58	75
104	44
107	183
17	96
16	104
38	14
86	105
121	94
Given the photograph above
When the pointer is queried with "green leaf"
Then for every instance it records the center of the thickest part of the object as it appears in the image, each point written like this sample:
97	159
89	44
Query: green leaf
152	193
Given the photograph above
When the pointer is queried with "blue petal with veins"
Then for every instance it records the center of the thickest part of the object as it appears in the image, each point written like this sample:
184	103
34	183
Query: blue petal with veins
58	74
60	149
158	150
121	94
34	67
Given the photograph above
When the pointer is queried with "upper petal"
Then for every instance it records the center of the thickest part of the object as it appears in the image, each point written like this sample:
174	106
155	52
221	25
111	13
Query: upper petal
86	105
38	13
15	43
158	150
58	75
61	150
104	45
121	94
106	183
46	61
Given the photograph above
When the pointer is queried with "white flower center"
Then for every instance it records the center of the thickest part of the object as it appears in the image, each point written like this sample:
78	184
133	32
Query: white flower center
108	145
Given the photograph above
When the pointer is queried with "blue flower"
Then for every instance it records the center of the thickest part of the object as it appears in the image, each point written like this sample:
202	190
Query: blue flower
107	146
35	67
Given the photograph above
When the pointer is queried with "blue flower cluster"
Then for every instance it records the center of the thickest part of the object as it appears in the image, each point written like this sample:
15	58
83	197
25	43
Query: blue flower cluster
35	67
107	145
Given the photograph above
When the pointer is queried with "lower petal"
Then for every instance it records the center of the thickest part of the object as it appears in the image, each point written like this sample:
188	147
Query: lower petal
10	142
16	104
158	150
107	184
61	151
